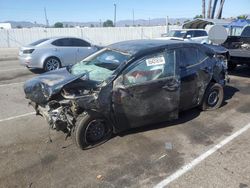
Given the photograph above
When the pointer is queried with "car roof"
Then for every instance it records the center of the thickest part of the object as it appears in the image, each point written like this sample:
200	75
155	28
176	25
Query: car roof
134	47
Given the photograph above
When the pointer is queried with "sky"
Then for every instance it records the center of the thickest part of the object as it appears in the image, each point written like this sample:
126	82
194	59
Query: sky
96	10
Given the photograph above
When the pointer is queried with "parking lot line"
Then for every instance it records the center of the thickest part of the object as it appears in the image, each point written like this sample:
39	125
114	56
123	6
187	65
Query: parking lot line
15	117
184	169
13	69
3	85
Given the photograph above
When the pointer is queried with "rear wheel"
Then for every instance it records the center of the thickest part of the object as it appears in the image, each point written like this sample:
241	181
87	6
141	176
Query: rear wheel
213	97
52	63
90	131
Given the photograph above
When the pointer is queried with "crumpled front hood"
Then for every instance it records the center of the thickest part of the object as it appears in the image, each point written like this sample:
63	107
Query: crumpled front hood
41	88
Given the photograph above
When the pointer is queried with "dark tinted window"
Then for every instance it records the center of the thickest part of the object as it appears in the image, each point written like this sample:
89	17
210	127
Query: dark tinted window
188	56
38	42
246	32
79	43
191	33
62	42
200	33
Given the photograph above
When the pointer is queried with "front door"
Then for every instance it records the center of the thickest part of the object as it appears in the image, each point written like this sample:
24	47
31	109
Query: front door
147	91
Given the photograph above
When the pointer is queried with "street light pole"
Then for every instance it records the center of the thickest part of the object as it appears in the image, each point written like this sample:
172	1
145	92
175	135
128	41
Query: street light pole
114	14
133	13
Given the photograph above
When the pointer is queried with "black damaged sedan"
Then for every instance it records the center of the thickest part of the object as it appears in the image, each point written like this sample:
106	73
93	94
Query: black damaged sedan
129	84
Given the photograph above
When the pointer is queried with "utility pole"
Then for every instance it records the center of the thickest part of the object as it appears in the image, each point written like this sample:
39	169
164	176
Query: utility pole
209	9
114	14
133	14
203	8
46	18
148	21
167	24
100	21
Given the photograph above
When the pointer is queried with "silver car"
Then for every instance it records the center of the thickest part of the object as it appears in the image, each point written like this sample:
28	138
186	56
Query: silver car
53	53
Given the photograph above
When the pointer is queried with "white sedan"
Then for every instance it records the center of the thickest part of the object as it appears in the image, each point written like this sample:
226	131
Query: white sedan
192	35
53	53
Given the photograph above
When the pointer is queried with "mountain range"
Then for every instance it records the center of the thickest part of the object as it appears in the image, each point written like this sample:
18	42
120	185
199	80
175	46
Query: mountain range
121	23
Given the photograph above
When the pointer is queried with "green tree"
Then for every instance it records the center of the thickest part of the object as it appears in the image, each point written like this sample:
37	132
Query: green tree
244	17
92	25
58	25
108	23
198	16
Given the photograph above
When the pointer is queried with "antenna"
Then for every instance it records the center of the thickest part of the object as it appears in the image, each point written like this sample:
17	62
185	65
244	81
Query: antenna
133	14
46	19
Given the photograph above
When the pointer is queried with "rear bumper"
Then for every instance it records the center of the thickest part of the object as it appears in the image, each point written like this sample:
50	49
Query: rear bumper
29	62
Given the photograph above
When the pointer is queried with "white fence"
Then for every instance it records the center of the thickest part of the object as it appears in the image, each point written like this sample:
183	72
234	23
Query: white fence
99	36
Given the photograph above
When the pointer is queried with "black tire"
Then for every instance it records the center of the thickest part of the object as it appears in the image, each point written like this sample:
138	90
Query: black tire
231	66
51	63
82	135
213	97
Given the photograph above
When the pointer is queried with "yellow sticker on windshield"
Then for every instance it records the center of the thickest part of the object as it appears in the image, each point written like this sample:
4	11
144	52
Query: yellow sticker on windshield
160	60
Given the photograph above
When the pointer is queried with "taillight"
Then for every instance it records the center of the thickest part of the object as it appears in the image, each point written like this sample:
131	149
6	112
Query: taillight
29	51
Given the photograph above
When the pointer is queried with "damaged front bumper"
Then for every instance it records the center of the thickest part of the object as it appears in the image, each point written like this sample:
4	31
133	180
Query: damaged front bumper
56	115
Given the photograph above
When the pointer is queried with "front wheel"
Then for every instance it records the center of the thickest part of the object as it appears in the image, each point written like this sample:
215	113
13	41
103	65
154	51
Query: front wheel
213	97
90	131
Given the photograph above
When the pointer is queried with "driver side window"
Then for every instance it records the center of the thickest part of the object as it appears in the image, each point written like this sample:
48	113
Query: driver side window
151	68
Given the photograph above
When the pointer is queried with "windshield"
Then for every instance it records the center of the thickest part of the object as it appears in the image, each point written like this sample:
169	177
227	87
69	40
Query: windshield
101	65
177	33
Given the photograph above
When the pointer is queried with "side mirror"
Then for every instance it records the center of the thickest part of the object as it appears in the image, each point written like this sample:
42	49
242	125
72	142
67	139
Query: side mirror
188	36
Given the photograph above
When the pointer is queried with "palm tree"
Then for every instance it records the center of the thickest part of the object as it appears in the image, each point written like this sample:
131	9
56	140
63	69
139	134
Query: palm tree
220	9
209	9
203	8
214	8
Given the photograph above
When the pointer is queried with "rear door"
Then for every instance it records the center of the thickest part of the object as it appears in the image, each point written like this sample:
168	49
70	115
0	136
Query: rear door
147	91
195	74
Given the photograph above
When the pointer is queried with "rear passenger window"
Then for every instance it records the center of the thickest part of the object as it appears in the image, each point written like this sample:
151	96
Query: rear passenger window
188	57
79	43
62	42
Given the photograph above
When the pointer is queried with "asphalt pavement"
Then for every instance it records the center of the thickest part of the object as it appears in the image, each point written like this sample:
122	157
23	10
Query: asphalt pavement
144	157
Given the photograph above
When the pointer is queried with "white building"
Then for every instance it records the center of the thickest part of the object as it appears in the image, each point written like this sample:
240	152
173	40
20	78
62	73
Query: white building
5	26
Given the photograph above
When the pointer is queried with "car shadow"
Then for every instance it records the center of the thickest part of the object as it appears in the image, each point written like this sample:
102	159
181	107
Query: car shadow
184	116
37	71
242	71
229	92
